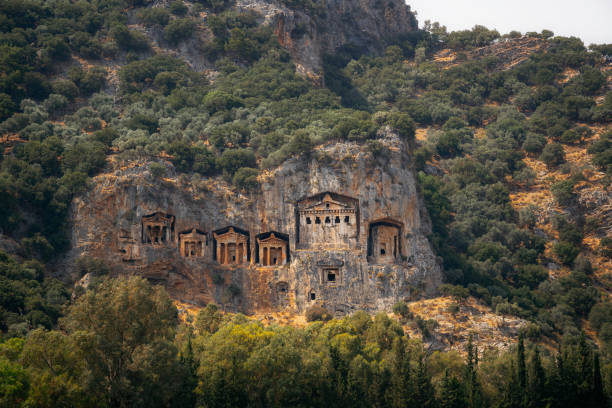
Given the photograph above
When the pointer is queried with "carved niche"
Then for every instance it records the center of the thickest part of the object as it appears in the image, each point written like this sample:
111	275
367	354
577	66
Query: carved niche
157	228
272	249
231	246
384	241
192	243
127	247
282	294
327	219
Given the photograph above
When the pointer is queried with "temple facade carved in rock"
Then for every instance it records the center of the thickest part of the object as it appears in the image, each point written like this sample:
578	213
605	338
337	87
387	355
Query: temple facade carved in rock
324	222
192	243
157	228
327	220
272	249
231	246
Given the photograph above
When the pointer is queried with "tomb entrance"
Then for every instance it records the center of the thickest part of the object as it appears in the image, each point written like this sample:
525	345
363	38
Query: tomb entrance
272	249
157	229
384	241
327	220
192	243
231	246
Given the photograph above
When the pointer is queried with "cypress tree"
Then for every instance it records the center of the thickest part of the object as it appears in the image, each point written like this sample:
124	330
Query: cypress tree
400	382
190	381
340	374
451	394
598	397
423	389
537	382
473	393
521	369
513	395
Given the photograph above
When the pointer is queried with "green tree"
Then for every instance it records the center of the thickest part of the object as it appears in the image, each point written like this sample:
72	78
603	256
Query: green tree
451	392
125	328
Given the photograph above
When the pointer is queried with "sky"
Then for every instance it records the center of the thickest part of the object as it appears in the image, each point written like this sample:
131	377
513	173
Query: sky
590	20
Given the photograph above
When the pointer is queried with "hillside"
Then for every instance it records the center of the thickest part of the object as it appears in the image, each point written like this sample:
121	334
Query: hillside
386	204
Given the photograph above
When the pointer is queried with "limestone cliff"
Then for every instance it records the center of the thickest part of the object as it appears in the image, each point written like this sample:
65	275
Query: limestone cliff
364	25
205	242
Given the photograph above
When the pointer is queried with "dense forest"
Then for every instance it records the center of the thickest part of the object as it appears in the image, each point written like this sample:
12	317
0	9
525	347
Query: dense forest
120	343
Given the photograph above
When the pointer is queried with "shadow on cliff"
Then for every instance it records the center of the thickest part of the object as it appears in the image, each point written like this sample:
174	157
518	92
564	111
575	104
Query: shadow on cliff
337	81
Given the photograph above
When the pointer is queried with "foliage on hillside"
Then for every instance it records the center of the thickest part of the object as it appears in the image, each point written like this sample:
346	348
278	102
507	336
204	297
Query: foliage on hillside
121	345
62	117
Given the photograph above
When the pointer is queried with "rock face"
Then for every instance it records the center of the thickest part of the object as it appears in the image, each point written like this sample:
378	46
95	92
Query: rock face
339	229
364	25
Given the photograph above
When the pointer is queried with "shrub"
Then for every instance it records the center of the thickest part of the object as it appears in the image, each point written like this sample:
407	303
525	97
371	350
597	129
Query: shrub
138	74
553	154
601	150
209	319
403	124
563	191
157	170
55	103
167	81
129	40
605	247
178	8
458	292
600	314
106	136
534	143
378	150
179	30
576	135
566	252
583	265
86	157
245	178
92	81
233	159
144	122
155	16
402	309
241	45
7	106
65	87
218	100
450	142
317	313
300	143
93	266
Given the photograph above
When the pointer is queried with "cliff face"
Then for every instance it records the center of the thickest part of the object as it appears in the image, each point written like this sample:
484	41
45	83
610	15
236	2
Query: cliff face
341	229
365	25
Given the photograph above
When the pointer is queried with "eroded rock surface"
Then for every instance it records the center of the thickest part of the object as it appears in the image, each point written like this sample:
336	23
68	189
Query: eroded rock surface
364	25
340	228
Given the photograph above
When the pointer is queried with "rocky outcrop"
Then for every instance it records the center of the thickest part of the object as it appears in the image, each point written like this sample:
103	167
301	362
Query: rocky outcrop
508	52
364	25
136	223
